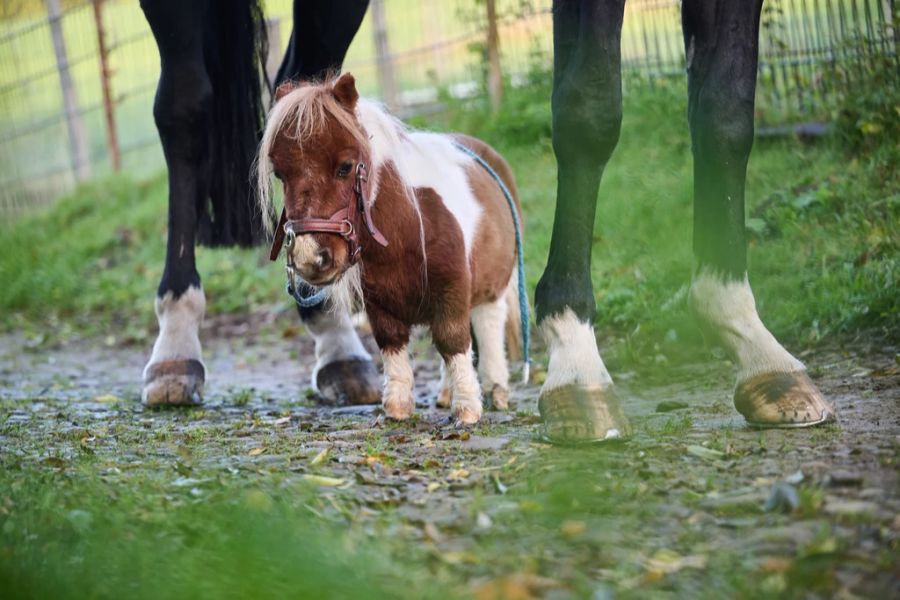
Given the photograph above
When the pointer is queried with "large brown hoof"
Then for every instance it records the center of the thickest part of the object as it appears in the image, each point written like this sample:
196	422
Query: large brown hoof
576	414
782	400
174	383
354	381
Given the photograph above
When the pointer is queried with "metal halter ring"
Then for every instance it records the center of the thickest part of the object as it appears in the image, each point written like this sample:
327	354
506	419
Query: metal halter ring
289	237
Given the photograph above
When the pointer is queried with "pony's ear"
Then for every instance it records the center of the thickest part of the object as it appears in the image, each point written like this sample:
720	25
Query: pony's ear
284	89
345	91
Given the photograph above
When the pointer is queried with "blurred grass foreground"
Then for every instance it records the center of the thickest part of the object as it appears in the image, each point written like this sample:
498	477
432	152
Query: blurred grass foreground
824	223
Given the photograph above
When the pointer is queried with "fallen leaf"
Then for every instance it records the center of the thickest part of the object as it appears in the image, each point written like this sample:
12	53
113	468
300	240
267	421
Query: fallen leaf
572	529
457	474
256	451
433	486
319	458
705	453
106	398
665	562
518	586
323	481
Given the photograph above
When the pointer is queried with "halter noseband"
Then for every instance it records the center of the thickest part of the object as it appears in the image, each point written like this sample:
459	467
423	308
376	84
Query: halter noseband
344	223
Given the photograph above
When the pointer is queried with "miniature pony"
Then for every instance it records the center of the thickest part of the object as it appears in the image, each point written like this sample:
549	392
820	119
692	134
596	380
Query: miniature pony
407	222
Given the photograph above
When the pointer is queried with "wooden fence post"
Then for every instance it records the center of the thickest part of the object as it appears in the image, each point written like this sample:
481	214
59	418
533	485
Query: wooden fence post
112	137
494	74
383	56
81	163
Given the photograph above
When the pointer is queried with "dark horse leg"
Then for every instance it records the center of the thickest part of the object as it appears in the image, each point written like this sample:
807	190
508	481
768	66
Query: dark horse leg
344	371
209	112
183	114
721	46
576	401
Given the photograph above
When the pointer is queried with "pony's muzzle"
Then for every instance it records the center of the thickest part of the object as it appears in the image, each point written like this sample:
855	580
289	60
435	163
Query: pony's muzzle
314	262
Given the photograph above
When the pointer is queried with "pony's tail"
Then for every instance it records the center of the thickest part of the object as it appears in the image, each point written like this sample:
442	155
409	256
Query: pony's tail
235	56
516	337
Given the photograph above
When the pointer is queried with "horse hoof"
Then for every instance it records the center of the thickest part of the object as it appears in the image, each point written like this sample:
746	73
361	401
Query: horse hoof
576	414
399	410
354	381
782	400
443	399
174	383
466	415
498	398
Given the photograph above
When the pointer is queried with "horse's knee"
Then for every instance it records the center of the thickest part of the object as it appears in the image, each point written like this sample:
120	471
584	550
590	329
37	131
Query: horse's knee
587	117
182	111
721	122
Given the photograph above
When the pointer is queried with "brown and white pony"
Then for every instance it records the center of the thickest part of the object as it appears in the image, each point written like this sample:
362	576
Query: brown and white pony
405	222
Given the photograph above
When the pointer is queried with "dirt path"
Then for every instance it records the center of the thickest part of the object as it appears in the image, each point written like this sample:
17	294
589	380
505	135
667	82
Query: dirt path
696	498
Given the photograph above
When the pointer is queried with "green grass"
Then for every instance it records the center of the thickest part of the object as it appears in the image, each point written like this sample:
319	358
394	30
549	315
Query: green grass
823	250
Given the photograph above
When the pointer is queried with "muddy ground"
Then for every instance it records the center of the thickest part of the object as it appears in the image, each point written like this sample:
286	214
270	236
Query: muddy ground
696	503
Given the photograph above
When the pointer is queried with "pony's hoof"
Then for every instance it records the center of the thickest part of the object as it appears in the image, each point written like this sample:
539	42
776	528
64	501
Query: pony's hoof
498	398
782	400
575	414
443	399
399	410
466	415
174	383
354	381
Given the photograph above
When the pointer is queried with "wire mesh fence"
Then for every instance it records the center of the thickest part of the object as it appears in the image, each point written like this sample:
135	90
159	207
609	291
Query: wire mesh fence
54	127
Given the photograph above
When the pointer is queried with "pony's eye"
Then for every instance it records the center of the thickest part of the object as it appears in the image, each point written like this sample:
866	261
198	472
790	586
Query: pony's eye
345	169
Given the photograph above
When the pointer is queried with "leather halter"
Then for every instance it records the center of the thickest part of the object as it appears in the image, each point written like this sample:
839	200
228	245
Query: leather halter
344	223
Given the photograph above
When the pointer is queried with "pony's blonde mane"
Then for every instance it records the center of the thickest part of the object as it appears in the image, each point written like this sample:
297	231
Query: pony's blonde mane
301	113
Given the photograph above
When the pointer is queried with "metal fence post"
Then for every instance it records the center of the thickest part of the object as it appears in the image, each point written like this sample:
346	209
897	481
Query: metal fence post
383	56
77	142
494	74
112	138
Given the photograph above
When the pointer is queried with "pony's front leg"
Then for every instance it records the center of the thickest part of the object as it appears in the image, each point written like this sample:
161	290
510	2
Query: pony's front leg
452	337
392	337
344	371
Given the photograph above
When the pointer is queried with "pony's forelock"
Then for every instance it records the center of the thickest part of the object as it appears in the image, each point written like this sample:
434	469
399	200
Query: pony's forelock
299	114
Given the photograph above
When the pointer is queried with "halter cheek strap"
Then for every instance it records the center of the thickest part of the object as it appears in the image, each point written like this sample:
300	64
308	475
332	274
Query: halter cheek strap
343	223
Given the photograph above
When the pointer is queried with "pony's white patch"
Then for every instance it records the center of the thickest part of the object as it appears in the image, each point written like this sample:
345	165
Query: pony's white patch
179	323
464	389
730	309
335	339
424	160
398	383
489	324
574	357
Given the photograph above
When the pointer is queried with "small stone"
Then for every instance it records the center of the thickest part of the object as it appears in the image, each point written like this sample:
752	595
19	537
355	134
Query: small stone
841	478
670	405
847	508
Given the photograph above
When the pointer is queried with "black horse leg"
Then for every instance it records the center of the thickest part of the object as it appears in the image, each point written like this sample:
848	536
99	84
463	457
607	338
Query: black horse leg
344	371
721	45
175	373
321	36
576	401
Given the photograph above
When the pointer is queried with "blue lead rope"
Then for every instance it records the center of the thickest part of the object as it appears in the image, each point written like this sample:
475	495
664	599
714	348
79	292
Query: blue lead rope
523	295
317	297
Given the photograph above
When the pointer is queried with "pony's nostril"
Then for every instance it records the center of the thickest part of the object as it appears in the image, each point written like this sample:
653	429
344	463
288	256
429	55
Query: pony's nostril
324	258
